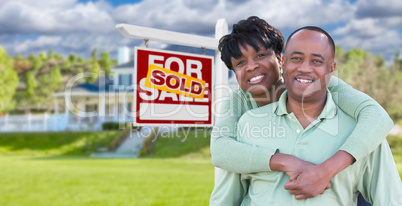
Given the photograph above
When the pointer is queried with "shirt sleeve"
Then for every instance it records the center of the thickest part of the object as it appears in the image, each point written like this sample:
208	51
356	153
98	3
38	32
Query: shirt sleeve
229	189
226	152
380	183
373	122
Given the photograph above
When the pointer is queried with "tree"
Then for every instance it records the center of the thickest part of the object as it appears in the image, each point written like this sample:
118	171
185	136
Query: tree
368	73
94	54
8	82
50	54
93	70
56	78
80	60
31	84
37	63
43	56
72	58
105	63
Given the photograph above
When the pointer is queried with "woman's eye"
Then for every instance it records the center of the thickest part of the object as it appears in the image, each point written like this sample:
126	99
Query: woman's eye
239	63
261	55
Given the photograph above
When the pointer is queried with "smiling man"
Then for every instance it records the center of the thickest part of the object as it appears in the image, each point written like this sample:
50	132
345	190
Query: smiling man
315	130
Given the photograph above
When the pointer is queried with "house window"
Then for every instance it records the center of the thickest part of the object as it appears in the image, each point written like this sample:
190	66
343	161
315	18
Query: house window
91	107
125	79
129	109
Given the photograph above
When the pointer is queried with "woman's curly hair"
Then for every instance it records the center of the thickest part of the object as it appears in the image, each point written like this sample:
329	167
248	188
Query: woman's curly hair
249	31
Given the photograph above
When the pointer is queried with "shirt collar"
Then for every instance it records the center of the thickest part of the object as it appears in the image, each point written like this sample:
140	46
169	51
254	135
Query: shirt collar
330	109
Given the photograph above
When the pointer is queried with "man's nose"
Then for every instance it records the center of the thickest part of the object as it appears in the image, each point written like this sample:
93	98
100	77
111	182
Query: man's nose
305	67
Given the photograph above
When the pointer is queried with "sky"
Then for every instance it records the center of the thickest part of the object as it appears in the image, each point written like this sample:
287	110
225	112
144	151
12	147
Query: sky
79	26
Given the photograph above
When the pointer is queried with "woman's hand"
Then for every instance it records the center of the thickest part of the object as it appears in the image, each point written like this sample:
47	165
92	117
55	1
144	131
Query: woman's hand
308	181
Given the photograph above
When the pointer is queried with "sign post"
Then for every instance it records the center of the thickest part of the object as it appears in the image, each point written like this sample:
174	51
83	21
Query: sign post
221	73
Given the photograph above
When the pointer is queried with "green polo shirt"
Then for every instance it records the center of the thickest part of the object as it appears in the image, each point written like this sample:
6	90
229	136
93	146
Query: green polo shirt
375	176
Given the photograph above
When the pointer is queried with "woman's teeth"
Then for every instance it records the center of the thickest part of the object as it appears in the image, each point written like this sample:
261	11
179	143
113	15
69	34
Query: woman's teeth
256	78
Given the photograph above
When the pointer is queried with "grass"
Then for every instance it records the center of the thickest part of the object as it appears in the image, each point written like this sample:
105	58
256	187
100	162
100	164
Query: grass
177	172
40	169
56	143
83	181
186	143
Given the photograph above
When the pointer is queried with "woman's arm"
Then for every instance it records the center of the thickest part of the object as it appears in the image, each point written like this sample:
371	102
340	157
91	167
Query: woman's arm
226	152
373	122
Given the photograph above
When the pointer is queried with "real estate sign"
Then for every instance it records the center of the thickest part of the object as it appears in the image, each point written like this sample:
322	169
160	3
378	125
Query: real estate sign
172	88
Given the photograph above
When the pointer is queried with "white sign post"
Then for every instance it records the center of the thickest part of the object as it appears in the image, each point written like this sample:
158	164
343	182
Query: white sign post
221	29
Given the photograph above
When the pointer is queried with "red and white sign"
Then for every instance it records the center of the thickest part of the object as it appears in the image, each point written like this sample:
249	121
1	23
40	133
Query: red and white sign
172	88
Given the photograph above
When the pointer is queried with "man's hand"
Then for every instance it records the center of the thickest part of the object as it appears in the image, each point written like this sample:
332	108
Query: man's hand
308	182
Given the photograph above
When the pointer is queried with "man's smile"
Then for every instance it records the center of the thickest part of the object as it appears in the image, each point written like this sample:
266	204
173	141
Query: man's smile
304	80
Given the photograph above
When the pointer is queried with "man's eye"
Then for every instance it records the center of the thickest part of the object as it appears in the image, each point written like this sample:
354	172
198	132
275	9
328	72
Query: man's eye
296	58
317	61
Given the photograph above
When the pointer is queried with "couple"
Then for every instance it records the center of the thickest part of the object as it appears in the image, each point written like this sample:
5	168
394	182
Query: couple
324	126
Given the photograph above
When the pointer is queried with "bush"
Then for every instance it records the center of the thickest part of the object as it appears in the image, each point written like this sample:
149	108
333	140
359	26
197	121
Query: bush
58	143
111	126
116	126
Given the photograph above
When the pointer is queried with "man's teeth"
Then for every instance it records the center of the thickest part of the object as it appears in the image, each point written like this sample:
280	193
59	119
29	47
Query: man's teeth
256	78
304	80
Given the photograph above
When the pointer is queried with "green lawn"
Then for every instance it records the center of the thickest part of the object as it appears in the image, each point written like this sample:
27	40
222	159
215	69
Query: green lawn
44	169
185	143
82	181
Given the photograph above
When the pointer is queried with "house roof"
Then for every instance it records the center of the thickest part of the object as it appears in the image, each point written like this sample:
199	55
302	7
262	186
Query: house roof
102	84
128	65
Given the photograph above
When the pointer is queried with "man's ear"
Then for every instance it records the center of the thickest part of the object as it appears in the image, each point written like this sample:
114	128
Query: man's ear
279	58
331	72
333	67
283	60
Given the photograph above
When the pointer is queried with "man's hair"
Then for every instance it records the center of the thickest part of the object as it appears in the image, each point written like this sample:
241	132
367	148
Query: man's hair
249	31
317	29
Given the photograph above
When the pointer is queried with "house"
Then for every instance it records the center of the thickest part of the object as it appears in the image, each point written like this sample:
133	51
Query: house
108	99
86	106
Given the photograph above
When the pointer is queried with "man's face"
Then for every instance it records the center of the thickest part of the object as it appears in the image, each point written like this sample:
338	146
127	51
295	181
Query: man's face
308	65
256	72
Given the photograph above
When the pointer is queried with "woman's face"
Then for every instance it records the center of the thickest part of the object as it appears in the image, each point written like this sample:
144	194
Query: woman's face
257	72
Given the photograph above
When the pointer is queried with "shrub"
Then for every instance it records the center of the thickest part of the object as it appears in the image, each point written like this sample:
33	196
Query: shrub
117	126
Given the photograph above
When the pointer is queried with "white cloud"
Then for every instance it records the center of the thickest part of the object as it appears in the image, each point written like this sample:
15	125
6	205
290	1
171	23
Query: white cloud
362	28
385	44
80	27
378	9
39	43
26	17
